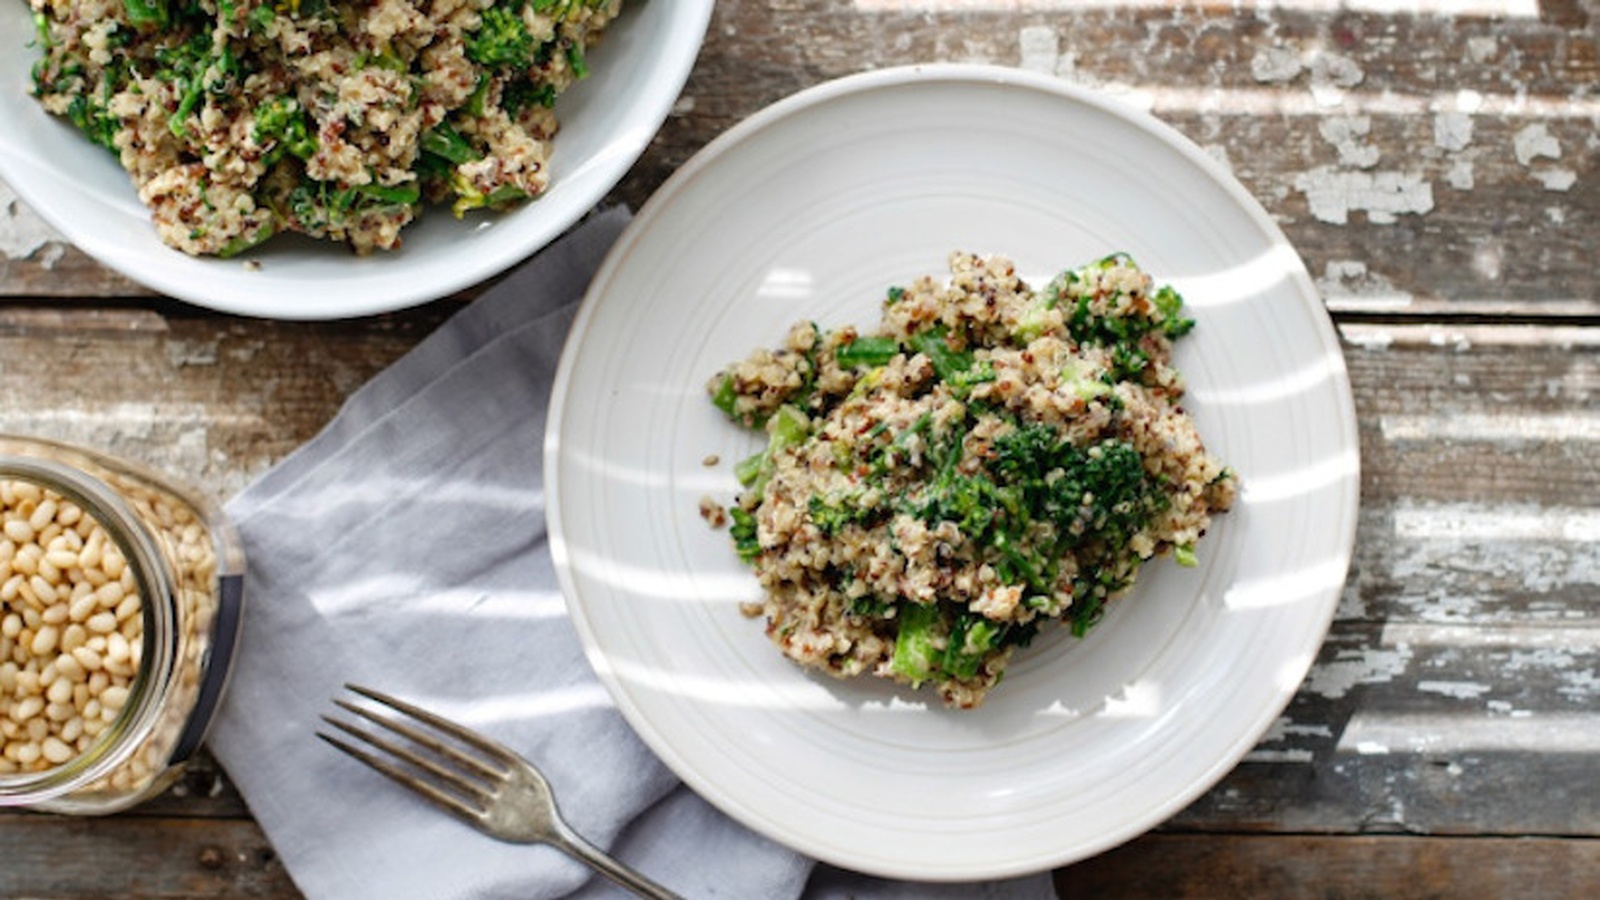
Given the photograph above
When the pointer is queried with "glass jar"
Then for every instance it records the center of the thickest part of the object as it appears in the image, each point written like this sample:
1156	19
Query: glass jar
120	604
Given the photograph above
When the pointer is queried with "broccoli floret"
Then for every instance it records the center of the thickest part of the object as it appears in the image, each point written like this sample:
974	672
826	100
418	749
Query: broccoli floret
317	207
503	39
832	514
1096	499
147	14
972	640
283	124
1124	497
1170	305
743	531
521	93
198	66
94	120
1122	333
934	641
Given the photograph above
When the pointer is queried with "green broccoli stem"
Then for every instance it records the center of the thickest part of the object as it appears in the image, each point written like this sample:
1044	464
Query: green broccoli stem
916	656
788	427
866	351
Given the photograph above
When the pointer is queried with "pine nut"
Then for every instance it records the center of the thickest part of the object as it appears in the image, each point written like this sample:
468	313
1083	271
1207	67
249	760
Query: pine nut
19	530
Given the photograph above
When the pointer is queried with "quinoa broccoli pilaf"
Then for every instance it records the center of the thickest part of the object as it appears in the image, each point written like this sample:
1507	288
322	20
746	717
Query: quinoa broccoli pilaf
241	119
990	459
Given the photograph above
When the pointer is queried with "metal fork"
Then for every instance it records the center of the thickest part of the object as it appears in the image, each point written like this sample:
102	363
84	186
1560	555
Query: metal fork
491	788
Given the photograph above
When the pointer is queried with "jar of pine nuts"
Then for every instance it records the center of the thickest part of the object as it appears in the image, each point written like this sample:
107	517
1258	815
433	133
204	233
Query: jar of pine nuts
120	600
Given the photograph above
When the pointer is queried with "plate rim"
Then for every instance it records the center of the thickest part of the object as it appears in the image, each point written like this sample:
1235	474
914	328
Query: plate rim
683	179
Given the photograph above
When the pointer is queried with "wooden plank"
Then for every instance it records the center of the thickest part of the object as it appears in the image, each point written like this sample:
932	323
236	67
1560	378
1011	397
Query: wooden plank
1418	729
1425	163
1455	693
1421	163
211	400
153	859
1303	867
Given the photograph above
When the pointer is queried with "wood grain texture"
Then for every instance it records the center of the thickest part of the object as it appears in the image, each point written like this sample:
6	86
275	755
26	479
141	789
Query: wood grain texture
211	400
1454	696
1423	163
53	858
1311	867
1437	173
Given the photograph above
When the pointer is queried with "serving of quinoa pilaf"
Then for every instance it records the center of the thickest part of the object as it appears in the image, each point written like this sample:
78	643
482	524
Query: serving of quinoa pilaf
241	119
992	458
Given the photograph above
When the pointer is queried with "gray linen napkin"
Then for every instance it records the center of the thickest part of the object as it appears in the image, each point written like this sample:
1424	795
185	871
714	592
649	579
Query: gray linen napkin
404	548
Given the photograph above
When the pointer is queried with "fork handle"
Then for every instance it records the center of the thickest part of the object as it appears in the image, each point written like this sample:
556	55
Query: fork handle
598	860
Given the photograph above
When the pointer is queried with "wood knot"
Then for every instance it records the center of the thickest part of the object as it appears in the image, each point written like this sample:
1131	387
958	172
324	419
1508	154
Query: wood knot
211	858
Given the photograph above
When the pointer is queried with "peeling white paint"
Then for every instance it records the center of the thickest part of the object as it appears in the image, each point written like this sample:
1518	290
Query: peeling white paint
1477	522
1487	260
1452	554
1528	732
1508	636
1384	196
1580	684
1506	429
1461	176
1556	179
1461	690
1538	658
1331	76
1483	48
1348	135
1452	131
1352	606
1041	48
1367	665
1453	339
192	353
1293	756
1370	340
23	233
1534	142
1276	65
1349	284
1219	153
1283	728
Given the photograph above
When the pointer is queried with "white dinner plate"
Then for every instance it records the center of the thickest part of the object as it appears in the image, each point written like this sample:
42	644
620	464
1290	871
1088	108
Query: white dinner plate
811	209
607	119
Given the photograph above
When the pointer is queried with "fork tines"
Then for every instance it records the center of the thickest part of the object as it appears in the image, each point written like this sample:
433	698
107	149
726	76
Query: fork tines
458	780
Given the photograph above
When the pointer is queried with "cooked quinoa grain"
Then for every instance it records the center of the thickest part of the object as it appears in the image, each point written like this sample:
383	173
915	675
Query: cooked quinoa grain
241	119
991	459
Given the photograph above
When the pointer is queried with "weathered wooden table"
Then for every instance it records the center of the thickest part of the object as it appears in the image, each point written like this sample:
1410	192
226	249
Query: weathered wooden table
1436	162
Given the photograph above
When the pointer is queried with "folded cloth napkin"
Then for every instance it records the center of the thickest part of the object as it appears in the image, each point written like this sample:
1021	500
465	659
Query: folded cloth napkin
404	548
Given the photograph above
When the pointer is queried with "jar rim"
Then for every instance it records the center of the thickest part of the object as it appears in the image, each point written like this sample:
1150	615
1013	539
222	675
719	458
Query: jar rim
139	714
